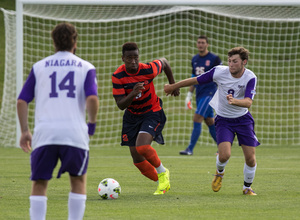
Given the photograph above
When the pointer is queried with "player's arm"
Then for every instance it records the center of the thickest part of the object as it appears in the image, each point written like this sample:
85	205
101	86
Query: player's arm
202	79
92	107
169	88
246	102
25	140
91	102
168	71
26	96
124	101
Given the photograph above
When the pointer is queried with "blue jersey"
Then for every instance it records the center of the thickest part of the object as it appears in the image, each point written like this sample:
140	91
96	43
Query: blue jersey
200	65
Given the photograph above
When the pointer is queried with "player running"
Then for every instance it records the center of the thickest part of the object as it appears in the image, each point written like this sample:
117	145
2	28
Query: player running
144	118
234	97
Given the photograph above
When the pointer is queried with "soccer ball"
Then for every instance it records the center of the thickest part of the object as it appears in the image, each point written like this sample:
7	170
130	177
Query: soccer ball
109	189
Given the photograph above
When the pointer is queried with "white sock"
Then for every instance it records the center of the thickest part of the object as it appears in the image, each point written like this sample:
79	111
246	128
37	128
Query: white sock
249	174
38	207
76	206
220	166
160	169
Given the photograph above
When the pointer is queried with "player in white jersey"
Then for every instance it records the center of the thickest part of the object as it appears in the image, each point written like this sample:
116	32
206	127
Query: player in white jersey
64	87
236	90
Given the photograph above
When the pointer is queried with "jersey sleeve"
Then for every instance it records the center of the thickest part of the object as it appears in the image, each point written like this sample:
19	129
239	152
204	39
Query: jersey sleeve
157	67
118	89
90	84
250	88
206	77
27	92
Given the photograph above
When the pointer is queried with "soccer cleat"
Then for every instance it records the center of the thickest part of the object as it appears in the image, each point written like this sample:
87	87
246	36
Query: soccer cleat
249	191
217	181
163	183
186	152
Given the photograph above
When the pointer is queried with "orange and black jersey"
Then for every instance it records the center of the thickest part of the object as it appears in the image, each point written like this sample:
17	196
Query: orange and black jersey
124	82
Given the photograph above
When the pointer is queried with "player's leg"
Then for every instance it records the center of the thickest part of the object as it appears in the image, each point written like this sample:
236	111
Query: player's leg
248	140
130	130
75	161
77	197
147	151
197	128
43	162
222	159
210	122
150	130
225	137
201	111
38	200
249	169
143	165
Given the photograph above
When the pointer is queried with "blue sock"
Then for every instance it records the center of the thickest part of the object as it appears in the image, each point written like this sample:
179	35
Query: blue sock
195	135
212	131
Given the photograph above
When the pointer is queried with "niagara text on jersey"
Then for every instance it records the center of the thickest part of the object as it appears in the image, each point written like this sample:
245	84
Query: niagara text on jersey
124	82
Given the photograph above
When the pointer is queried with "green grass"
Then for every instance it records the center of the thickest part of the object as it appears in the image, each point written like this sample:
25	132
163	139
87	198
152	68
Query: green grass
276	183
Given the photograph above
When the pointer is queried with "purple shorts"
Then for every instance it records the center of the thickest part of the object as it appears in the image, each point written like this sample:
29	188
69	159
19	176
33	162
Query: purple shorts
44	159
242	127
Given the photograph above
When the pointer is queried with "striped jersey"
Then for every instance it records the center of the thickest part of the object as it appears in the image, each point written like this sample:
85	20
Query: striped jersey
60	84
124	82
240	88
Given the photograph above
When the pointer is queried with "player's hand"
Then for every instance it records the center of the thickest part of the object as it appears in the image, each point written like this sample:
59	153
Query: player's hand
25	141
188	100
230	99
138	88
168	89
176	92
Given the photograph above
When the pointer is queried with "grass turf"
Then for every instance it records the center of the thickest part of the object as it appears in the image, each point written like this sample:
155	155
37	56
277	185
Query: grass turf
276	183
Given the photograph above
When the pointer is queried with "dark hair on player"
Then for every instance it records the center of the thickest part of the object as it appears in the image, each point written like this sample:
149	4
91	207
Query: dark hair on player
129	46
243	52
203	37
64	36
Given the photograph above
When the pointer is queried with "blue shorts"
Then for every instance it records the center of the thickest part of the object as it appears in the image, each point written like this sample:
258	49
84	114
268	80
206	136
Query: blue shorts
203	107
242	127
44	159
150	122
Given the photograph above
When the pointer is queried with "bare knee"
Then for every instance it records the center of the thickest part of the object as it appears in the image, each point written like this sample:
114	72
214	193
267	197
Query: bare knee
224	157
251	162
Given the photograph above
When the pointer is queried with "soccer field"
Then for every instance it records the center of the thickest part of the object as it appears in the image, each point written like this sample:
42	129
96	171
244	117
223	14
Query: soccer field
191	197
277	177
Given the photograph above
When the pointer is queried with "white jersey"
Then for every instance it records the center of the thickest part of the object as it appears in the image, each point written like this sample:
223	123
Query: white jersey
239	88
60	101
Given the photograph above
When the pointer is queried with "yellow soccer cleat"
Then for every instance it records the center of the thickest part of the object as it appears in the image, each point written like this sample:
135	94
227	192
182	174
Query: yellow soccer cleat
163	183
249	191
217	181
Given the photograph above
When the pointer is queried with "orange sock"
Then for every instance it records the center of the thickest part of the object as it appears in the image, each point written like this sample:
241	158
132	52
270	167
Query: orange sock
150	154
147	170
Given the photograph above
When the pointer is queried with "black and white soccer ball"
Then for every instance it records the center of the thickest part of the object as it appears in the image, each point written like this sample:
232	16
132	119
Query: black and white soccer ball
109	189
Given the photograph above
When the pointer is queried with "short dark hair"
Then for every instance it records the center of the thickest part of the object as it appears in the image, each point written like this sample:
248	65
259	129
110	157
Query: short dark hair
203	37
243	52
129	46
64	36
